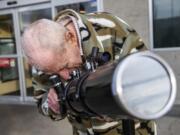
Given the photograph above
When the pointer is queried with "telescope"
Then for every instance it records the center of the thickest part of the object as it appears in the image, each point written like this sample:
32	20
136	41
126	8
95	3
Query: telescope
139	86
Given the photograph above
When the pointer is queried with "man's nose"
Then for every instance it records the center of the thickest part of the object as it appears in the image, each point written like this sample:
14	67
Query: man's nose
64	74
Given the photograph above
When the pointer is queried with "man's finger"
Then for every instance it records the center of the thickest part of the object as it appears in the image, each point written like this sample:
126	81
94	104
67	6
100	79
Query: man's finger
52	95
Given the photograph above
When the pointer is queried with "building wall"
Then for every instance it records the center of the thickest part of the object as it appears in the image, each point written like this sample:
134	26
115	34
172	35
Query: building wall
136	14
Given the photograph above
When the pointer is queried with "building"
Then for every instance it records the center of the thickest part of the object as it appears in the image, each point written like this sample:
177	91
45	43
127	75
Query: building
158	27
157	22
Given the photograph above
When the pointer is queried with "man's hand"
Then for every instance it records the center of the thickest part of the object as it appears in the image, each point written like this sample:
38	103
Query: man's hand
53	101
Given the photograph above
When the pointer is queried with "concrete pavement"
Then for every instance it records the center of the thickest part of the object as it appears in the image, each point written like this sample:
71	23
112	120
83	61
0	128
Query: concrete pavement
25	120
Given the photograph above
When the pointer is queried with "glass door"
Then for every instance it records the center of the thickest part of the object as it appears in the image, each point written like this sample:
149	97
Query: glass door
9	74
15	72
26	16
83	7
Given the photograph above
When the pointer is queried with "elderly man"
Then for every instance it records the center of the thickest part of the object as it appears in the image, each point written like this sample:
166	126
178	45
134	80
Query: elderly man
61	46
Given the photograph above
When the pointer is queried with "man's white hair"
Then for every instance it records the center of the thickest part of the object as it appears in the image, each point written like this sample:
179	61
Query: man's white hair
45	34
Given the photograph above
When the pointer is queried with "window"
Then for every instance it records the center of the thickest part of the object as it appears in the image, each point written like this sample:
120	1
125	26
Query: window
166	23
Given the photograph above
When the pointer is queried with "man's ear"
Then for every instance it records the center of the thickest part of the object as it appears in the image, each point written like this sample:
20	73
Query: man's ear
70	37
